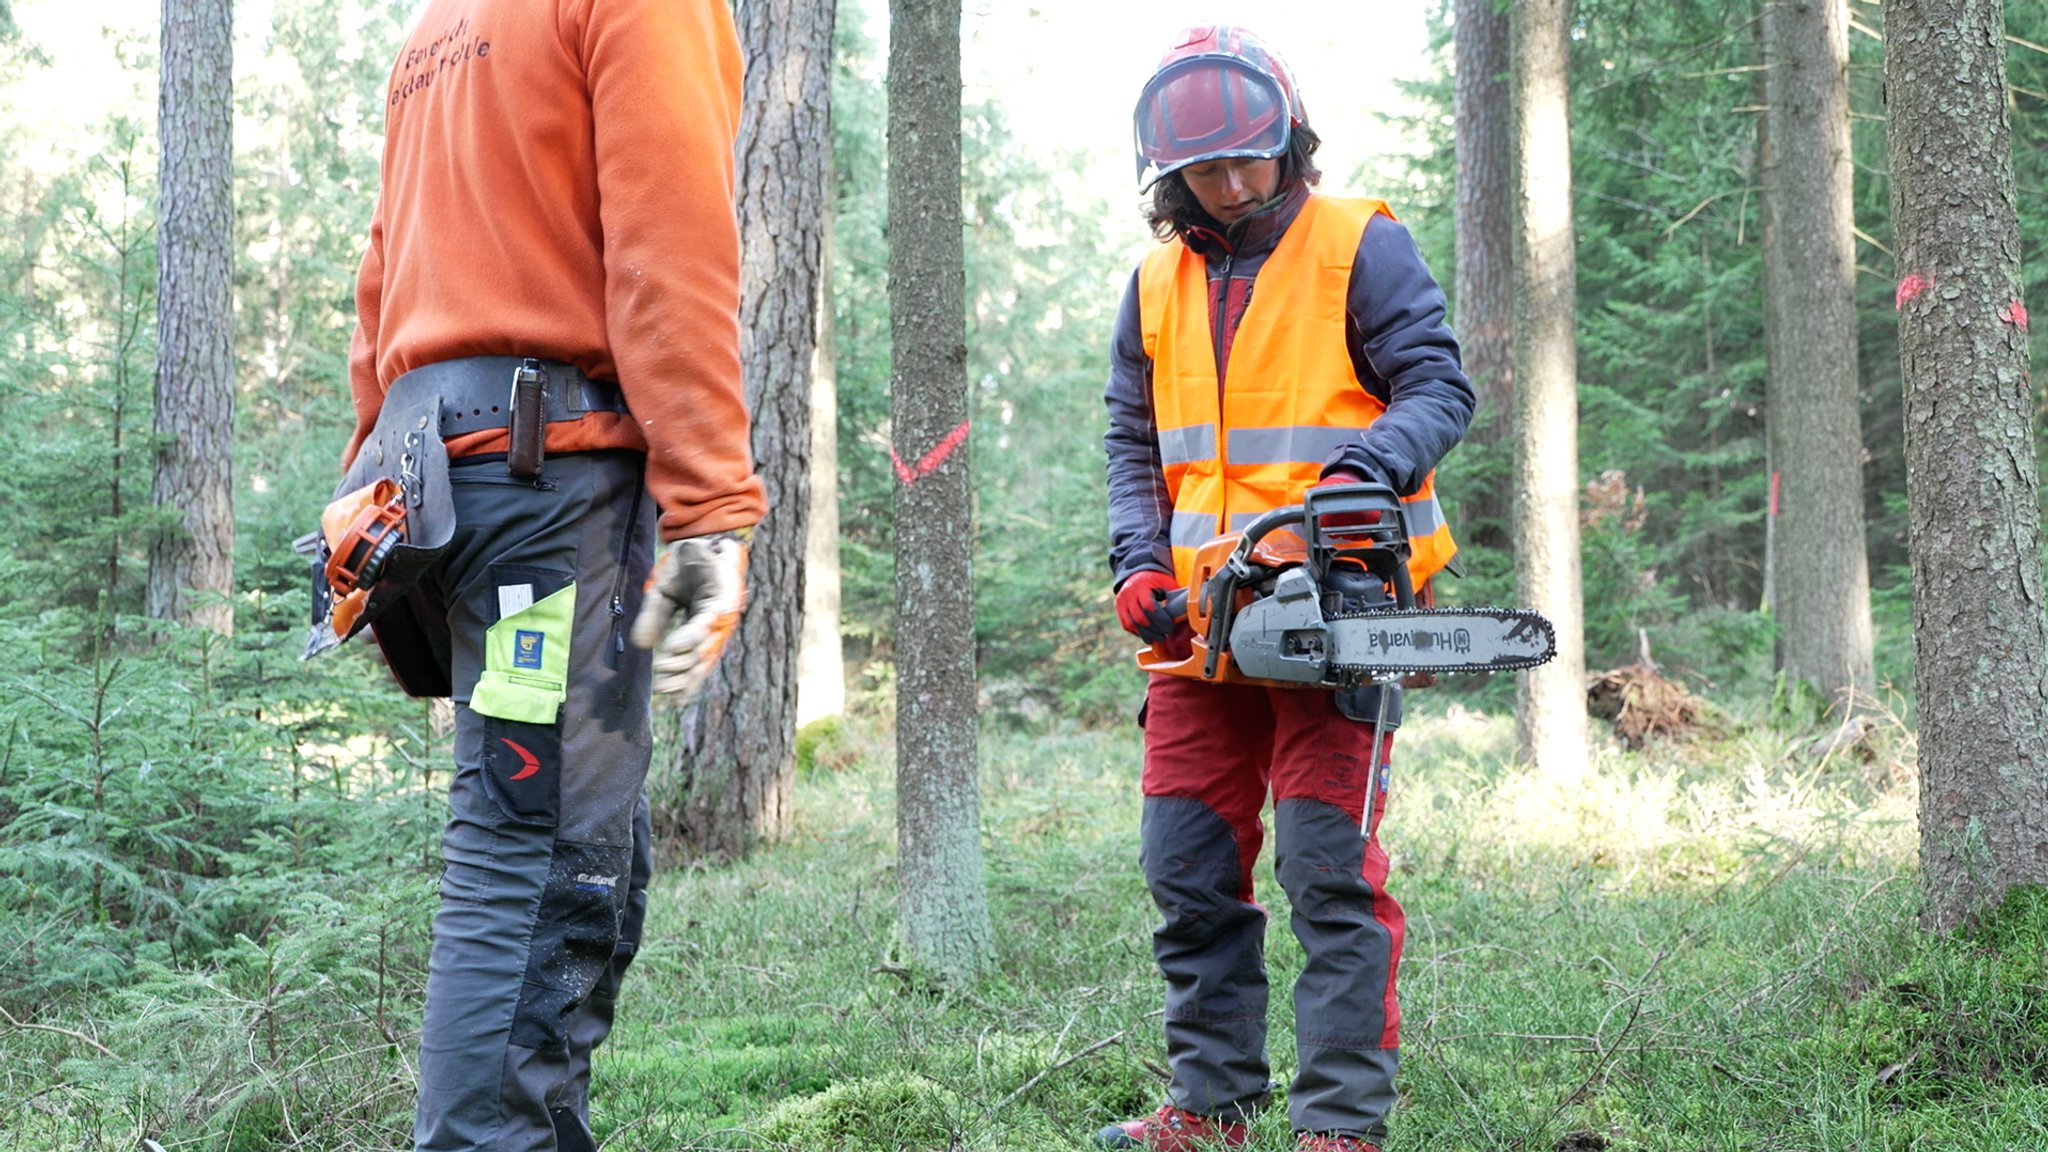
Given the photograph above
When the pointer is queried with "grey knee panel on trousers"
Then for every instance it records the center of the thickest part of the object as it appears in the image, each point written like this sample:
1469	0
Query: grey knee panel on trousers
1210	946
1344	1080
569	1106
575	931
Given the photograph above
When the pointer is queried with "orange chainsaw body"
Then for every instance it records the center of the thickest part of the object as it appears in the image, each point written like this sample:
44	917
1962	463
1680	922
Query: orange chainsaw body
1277	550
360	529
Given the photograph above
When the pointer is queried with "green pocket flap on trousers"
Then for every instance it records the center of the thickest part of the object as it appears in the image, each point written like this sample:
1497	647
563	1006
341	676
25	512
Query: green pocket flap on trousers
526	661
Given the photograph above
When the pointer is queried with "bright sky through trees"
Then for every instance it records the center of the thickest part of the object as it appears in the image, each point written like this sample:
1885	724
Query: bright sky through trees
1065	72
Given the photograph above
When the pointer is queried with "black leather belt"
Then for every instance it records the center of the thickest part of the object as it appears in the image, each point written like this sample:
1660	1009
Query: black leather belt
475	392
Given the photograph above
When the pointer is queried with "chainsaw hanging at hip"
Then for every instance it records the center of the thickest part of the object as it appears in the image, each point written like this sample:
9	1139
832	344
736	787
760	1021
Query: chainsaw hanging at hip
390	520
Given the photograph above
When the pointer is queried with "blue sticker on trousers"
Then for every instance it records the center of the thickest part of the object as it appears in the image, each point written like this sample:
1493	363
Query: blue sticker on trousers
526	648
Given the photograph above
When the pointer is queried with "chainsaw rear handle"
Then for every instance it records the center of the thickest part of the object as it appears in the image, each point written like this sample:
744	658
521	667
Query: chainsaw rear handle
1155	658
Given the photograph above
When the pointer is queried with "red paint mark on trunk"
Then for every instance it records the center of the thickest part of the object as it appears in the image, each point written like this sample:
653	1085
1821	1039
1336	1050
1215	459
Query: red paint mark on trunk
2015	314
930	461
1913	285
1774	494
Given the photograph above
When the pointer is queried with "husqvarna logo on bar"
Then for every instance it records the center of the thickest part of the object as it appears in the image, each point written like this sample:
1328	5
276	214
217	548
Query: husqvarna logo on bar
1422	640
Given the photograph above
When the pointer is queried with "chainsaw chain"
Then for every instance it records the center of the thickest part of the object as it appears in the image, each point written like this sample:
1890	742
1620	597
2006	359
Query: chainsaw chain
1516	665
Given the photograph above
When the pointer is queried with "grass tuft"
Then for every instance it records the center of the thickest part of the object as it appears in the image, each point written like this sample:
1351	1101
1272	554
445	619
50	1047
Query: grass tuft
891	1113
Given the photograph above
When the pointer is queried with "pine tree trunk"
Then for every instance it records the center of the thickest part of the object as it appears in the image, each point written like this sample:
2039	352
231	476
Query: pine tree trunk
821	662
943	912
1485	145
192	563
1550	702
1767	229
1980	623
729	789
1822	581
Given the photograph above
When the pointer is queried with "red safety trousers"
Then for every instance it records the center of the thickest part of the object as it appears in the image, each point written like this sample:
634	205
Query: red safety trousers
1212	754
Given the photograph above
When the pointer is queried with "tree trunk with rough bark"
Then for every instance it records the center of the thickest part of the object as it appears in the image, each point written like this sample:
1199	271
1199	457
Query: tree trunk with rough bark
943	911
1821	584
1767	229
1485	146
1980	622
192	561
728	787
1550	702
821	661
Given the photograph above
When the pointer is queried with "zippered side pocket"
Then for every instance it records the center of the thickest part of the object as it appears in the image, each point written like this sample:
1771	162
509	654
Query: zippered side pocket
618	602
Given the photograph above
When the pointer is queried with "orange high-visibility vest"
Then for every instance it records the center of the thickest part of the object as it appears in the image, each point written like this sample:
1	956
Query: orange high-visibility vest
1294	394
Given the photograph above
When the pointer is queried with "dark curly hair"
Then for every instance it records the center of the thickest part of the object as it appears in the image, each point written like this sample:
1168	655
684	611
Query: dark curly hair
1174	208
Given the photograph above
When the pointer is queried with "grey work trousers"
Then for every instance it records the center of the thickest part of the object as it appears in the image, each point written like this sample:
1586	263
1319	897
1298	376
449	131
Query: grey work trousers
546	850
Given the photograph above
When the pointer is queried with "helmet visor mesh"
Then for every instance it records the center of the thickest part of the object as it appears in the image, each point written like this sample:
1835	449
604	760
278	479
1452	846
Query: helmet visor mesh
1207	108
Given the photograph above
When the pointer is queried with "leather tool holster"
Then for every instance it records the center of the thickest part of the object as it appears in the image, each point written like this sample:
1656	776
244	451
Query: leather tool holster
408	449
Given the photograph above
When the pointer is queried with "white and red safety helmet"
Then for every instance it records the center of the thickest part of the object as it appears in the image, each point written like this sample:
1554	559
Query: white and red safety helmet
1218	92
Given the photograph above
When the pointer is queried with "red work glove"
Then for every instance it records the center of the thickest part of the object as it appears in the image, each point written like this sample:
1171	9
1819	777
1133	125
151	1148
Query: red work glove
1141	605
1346	520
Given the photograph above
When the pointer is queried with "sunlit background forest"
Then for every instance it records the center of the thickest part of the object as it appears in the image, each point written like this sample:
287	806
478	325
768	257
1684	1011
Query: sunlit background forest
217	863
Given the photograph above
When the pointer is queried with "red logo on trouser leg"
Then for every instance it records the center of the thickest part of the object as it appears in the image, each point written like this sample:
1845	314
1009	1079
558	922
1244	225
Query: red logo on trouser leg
528	762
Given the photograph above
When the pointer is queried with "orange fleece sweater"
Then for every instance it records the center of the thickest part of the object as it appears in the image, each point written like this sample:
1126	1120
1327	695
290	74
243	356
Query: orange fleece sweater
558	182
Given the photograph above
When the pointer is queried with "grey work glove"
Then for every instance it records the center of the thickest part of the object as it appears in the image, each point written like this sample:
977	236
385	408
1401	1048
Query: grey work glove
693	602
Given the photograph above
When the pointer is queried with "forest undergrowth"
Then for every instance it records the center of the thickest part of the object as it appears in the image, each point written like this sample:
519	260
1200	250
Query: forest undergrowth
1703	945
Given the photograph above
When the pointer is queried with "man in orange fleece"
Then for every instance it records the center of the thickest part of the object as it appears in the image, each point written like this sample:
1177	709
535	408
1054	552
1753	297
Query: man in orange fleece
557	207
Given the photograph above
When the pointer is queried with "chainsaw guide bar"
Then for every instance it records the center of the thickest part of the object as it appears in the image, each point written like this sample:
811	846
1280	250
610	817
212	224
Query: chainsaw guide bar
1286	636
1444	640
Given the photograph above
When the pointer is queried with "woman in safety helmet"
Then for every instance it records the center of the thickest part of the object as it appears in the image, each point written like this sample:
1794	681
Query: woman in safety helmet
1277	339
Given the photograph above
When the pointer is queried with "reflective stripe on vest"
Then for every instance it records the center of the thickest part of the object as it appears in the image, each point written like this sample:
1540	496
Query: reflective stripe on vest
1191	530
1294	397
1180	446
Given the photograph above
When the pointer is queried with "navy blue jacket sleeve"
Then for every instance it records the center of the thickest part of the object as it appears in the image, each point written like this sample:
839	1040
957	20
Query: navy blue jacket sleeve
1140	509
1407	356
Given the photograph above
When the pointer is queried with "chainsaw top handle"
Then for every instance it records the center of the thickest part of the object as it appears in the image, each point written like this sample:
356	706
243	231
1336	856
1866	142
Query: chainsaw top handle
1363	523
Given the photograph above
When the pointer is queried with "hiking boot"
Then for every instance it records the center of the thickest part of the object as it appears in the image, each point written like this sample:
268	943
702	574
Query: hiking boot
1174	1130
1319	1142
